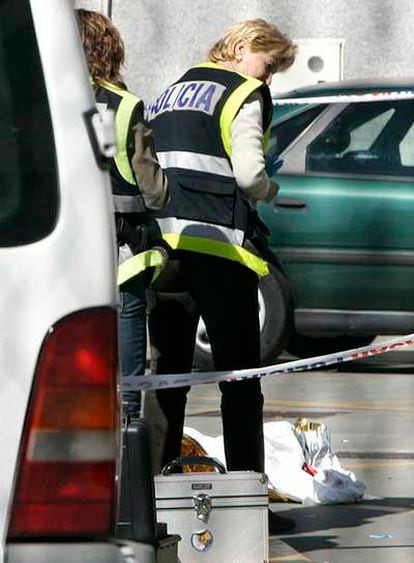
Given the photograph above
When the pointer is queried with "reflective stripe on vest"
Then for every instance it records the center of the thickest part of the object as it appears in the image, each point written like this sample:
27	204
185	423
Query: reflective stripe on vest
152	258
128	203
220	249
122	119
195	161
201	229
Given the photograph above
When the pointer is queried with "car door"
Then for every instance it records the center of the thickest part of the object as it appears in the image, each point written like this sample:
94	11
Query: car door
342	221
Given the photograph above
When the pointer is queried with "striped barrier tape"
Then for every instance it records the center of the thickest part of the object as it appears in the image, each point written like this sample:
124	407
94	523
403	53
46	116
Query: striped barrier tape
347	98
168	381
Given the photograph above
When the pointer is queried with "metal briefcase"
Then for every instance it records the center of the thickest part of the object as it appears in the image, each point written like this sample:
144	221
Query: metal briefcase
221	517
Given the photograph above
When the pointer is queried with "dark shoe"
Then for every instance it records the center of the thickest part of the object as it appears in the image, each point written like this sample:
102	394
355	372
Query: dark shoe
279	524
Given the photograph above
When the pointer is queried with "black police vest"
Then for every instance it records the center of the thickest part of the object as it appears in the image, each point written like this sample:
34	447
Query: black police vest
192	126
125	190
133	224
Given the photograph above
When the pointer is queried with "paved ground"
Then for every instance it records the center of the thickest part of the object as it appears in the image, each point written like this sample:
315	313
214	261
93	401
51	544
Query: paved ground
369	409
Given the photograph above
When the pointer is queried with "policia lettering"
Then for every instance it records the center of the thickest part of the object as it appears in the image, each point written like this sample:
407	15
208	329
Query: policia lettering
196	95
130	212
192	124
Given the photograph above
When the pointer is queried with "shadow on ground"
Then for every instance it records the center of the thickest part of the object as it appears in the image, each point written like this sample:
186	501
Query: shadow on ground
311	519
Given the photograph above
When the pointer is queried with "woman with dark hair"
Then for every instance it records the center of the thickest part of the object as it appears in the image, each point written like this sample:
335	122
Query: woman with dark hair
138	187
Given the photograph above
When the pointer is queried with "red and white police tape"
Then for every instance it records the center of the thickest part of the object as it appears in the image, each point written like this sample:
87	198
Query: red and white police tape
167	381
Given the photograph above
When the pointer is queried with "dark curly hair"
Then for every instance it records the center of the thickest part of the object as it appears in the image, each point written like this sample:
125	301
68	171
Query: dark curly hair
103	46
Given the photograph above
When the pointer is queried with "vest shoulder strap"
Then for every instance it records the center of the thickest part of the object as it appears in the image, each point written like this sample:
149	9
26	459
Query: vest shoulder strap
123	116
232	106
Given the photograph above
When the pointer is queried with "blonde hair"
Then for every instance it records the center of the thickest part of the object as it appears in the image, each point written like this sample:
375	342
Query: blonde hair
103	46
260	36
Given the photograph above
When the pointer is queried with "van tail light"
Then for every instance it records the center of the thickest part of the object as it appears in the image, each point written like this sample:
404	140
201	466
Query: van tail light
67	467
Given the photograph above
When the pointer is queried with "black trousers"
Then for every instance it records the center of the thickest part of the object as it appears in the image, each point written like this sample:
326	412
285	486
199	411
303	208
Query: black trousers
224	293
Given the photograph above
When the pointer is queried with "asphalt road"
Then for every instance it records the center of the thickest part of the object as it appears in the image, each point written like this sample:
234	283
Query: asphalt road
369	409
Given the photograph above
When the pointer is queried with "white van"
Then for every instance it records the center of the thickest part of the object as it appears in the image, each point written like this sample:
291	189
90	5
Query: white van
59	388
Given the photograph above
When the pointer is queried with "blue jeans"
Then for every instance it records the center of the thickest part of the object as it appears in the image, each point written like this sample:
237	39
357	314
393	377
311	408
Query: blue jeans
132	334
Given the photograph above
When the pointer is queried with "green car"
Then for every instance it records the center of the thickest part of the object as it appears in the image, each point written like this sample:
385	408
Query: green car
342	223
341	229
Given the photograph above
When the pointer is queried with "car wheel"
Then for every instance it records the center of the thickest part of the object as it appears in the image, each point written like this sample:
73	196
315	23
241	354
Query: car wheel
275	317
308	346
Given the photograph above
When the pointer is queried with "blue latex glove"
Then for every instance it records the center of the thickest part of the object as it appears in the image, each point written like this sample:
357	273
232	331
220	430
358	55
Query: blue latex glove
273	164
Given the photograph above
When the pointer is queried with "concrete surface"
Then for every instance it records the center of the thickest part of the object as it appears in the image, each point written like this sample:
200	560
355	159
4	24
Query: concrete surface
368	407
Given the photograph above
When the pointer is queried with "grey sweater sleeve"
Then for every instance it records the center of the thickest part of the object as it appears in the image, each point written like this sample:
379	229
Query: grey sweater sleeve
247	156
152	181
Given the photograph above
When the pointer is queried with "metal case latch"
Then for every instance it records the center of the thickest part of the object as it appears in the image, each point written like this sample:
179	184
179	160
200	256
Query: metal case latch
202	506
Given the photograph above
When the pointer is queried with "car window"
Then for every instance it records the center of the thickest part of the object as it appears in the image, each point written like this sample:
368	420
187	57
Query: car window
407	148
363	137
366	138
28	192
284	133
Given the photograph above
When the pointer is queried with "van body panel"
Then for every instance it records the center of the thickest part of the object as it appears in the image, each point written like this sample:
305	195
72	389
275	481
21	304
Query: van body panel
74	267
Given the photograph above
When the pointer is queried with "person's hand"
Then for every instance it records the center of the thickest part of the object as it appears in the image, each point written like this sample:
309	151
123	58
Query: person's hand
272	192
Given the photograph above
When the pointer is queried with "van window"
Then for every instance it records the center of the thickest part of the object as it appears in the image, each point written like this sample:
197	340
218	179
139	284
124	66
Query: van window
28	175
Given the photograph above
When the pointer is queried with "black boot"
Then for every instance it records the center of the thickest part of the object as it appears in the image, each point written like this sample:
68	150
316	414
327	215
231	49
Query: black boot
279	524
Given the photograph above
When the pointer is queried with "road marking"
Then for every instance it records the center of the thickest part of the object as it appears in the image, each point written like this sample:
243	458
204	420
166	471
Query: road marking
386	508
292	558
391	406
371	463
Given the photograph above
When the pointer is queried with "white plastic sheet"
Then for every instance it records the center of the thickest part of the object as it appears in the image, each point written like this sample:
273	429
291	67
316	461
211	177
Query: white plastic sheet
284	461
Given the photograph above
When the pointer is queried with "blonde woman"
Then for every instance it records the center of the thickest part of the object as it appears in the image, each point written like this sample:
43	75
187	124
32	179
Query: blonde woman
209	130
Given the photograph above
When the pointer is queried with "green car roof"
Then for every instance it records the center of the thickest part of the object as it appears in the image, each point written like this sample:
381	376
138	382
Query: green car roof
349	87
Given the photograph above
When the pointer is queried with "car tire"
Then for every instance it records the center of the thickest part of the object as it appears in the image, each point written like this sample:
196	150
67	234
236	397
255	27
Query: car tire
308	346
276	312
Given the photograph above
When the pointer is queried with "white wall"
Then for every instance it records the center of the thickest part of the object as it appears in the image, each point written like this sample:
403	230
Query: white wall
164	37
98	5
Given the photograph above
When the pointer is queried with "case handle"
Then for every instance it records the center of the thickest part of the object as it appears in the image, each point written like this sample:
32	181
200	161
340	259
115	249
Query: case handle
193	460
